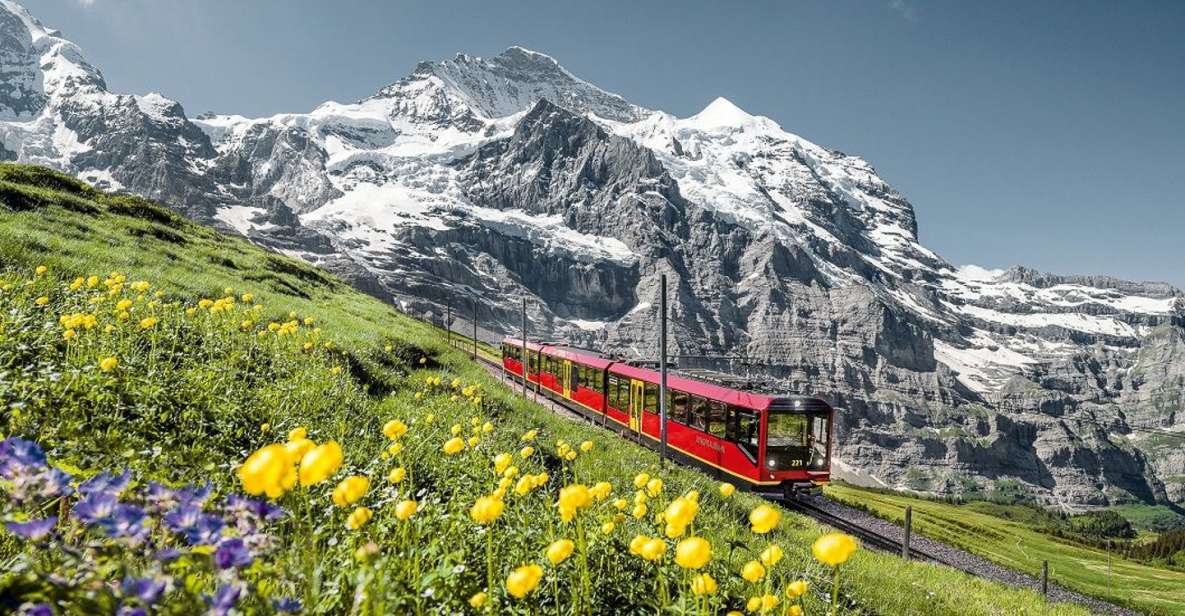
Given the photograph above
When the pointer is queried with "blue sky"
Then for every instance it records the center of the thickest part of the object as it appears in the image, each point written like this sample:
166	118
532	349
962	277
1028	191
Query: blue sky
1047	134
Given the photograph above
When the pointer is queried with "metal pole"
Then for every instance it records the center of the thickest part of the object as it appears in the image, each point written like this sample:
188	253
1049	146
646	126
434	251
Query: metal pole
908	531
448	321
662	366
1045	577
526	358
475	327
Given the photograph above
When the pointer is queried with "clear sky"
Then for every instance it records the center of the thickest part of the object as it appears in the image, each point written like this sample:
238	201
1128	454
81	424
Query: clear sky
1048	134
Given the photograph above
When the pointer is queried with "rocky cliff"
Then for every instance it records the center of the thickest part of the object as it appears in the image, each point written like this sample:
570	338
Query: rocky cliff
508	177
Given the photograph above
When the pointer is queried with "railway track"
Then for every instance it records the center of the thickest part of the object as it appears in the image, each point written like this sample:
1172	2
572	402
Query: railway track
872	532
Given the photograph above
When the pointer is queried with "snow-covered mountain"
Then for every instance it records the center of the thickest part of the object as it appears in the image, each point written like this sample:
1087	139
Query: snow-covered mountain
509	177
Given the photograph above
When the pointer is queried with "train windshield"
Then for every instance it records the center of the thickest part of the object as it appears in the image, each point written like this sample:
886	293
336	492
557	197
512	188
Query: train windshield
797	440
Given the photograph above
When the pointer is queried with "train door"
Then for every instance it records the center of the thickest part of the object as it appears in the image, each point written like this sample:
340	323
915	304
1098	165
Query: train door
636	398
566	372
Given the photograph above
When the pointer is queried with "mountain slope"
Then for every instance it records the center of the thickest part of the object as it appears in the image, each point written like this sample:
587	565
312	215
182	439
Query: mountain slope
509	177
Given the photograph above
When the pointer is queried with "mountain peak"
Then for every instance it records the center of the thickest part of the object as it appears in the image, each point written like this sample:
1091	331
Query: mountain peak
722	113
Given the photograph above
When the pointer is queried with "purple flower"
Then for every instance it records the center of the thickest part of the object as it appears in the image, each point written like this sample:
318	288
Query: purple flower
232	553
167	555
38	609
224	599
56	482
238	505
198	528
95	507
163	497
33	530
131	611
106	483
147	590
286	605
126	522
18	455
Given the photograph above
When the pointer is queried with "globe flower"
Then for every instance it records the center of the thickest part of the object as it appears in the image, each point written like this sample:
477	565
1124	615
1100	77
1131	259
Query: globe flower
148	323
771	555
703	584
763	519
653	549
530	435
654	487
394	449
636	544
511	472
753	604
640	480
320	463
41	301
298	433
486	509
406	509
350	489
794	610
834	549
753	571
526	452
586	446
523	580
107	364
769	602
473	441
502	462
264	470
397	474
796	589
681	512
639	511
727	490
297	448
455	429
486	427
478	600
560	550
394	429
453	445
693	553
607	528
358	518
525	484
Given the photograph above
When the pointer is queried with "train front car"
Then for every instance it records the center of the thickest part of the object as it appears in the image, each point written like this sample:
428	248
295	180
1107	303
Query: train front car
797	438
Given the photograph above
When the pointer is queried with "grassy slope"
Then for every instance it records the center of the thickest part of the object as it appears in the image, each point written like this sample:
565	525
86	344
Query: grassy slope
1016	544
75	231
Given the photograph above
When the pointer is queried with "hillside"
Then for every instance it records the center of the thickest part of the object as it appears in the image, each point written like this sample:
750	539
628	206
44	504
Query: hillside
509	177
204	383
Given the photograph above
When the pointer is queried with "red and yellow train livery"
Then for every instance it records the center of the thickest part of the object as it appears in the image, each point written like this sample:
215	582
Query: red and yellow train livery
760	442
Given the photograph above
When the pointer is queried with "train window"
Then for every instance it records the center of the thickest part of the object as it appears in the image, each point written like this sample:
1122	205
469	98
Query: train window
698	415
748	429
717	418
623	393
612	392
575	383
598	380
651	399
791	441
678	407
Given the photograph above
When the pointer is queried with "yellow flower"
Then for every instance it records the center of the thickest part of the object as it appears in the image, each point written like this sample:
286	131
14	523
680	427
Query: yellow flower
92	282
299	447
526	452
394	449
794	610
453	445
530	435
358	517
41	301
601	490
350	489
511	472
768	602
573	498
771	555
654	487
486	509
620	504
264	470
478	600
320	463
77	284
487	427
394	429
763	519
734	613
570	455
796	589
107	364
148	323
405	509
681	512
298	433
641	480
69	334
455	429
397	474
753	604
640	510
834	549
502	462
123	305
41	269
693	553
608	528
473	441
753	571
727	489
703	584
523	580
586	446
653	549
456	383
560	550
636	544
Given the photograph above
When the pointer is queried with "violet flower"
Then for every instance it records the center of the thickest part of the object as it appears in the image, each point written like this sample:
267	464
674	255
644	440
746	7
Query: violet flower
33	530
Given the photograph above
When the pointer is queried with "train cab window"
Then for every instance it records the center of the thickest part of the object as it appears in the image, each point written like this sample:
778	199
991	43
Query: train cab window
796	440
748	431
717	418
650	402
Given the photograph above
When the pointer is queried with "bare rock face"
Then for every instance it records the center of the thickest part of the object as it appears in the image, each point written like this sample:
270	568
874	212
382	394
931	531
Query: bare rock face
508	178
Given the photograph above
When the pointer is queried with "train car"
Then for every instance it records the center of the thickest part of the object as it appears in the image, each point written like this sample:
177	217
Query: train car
760	442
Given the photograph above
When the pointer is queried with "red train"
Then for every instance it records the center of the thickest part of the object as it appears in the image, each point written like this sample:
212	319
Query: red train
759	442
